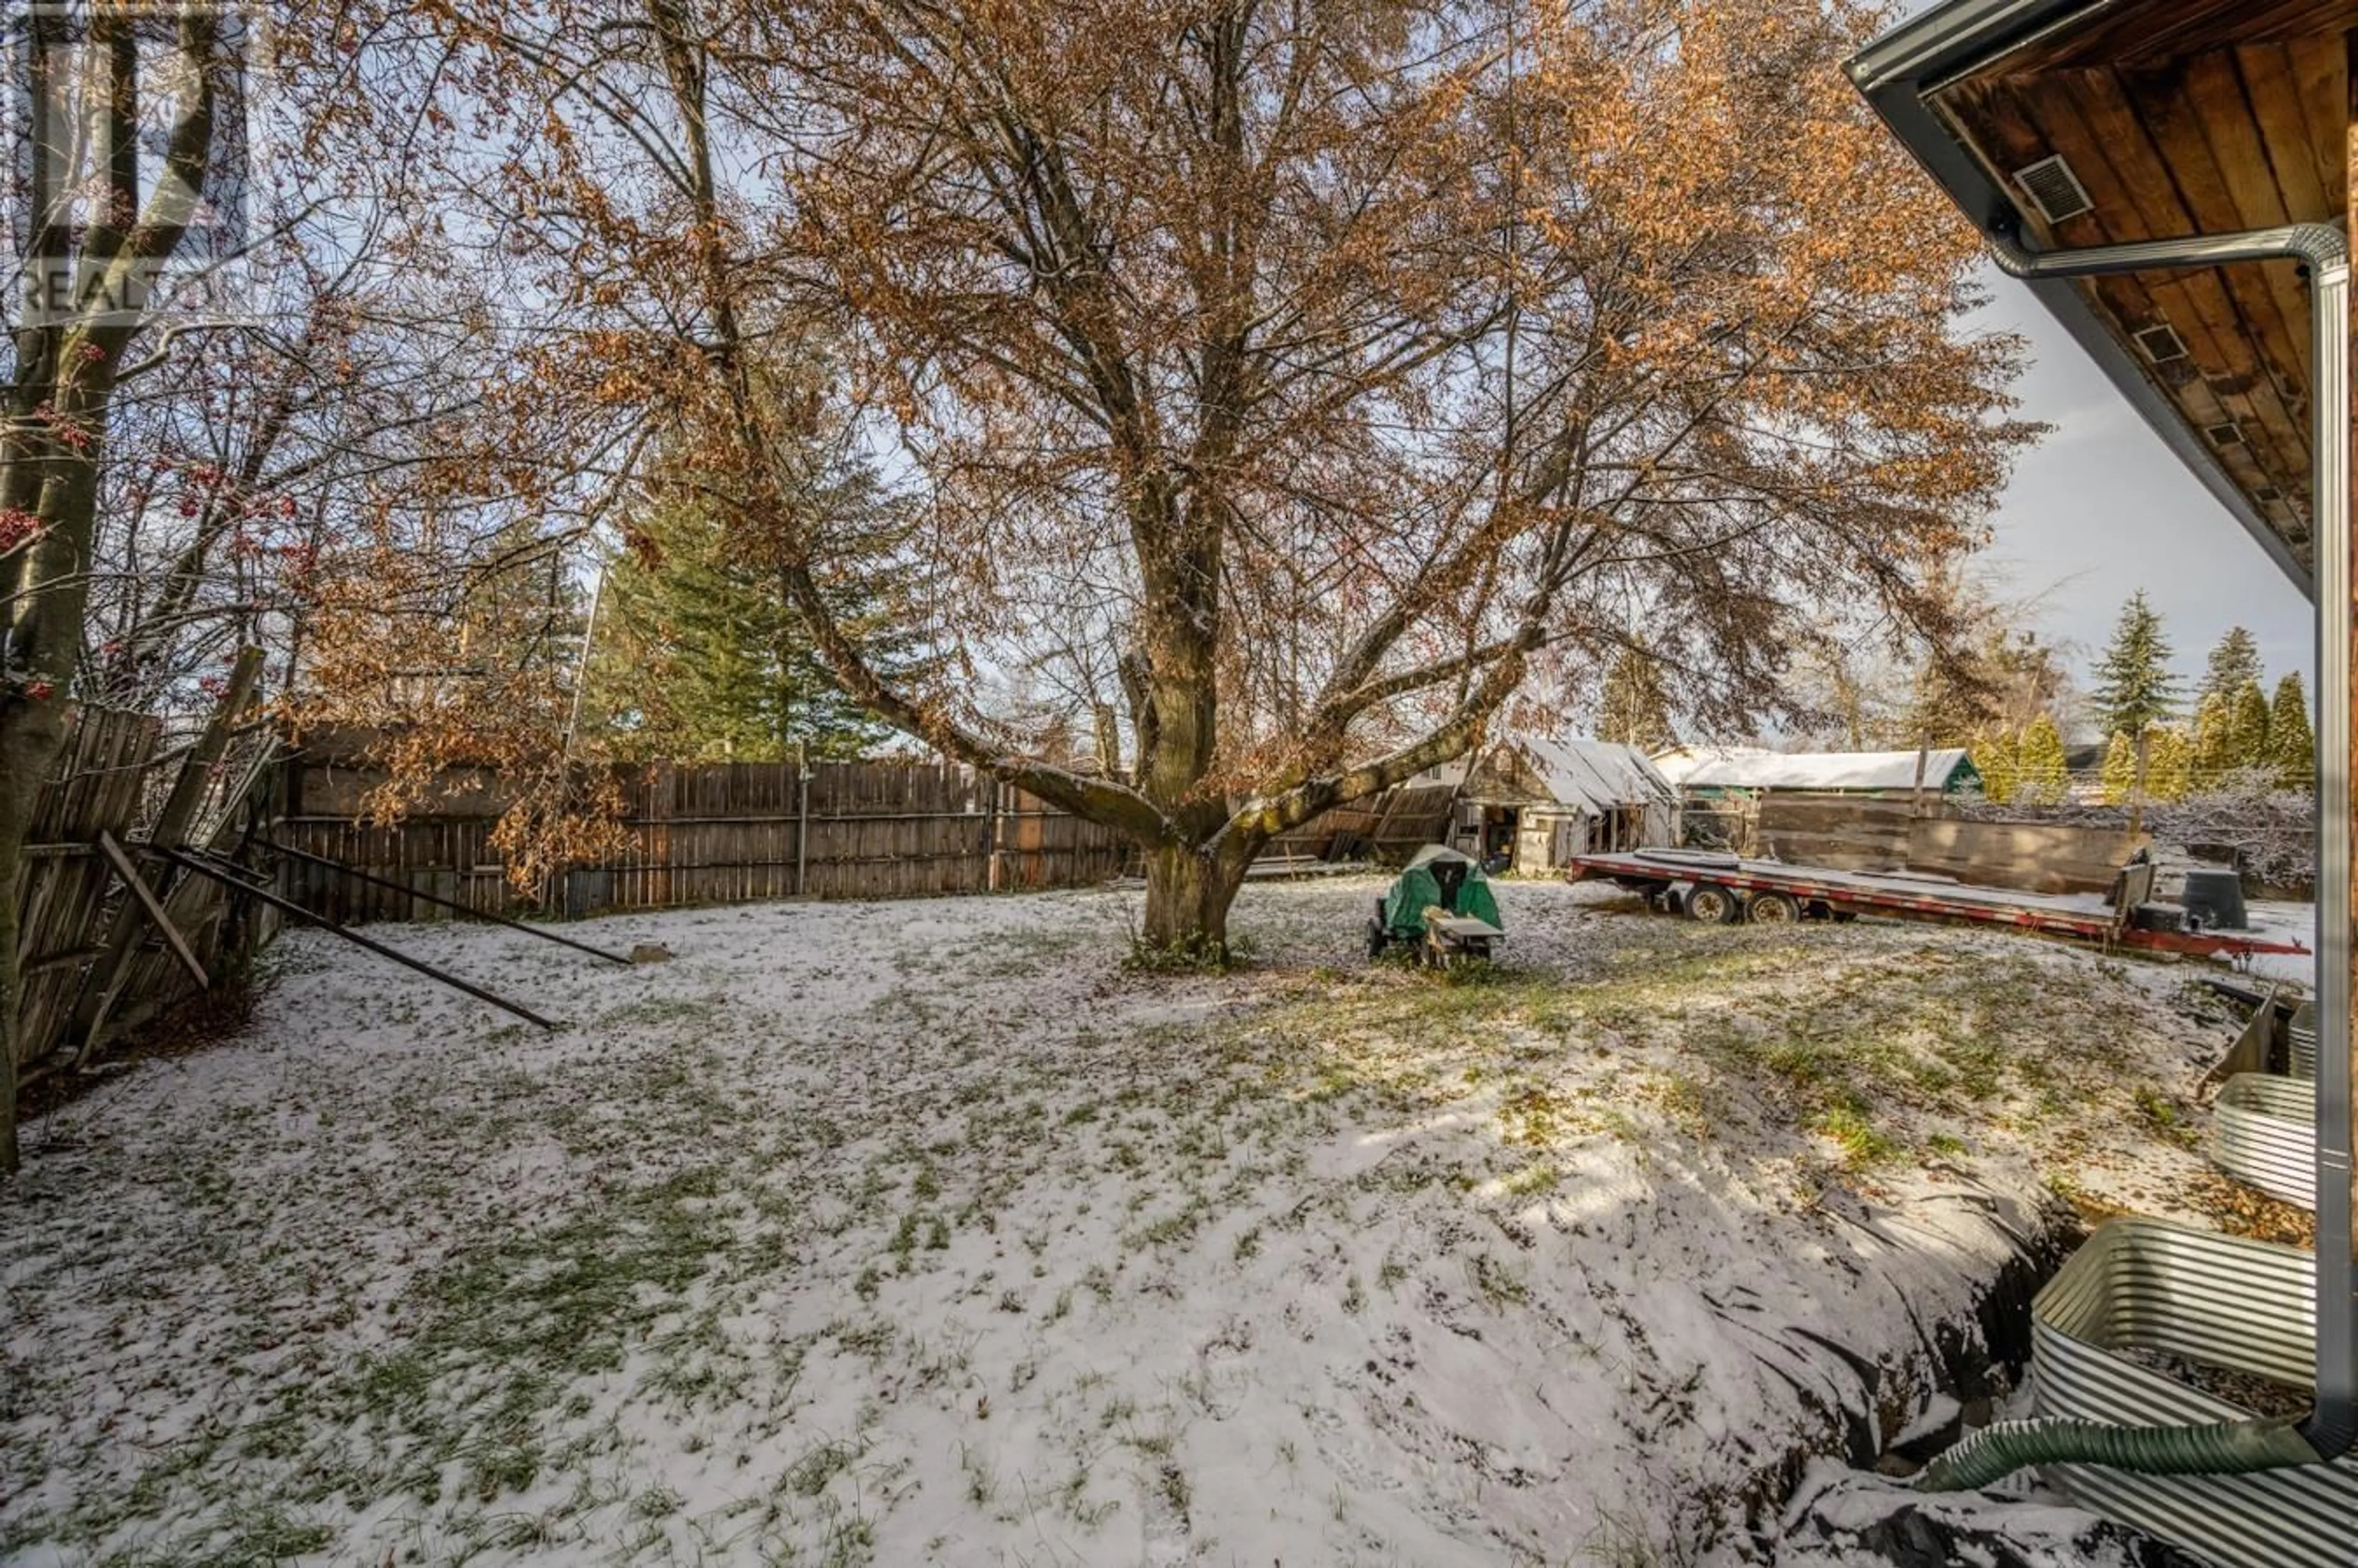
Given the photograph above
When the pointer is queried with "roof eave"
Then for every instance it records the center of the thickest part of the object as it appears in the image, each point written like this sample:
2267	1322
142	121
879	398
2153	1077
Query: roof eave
1895	73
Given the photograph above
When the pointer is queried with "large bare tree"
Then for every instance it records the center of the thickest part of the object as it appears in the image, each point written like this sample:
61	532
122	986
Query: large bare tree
1297	377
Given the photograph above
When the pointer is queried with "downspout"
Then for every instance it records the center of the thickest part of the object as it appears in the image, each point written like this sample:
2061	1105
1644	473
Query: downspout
2332	1427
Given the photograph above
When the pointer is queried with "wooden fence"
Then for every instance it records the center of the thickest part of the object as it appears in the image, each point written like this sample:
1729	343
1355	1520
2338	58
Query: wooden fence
701	834
110	779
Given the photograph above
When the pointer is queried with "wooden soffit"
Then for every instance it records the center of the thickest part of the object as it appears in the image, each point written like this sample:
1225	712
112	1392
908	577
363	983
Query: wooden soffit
2178	118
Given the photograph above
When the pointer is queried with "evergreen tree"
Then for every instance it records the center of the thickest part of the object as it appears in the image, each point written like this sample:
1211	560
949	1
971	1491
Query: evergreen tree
2214	741
2249	734
1996	757
2292	747
699	654
520	610
2043	775
1634	709
2235	663
2169	763
2119	775
2134	689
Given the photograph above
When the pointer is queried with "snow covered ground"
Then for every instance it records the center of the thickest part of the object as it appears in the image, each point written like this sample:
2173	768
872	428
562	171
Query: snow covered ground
917	1232
2279	921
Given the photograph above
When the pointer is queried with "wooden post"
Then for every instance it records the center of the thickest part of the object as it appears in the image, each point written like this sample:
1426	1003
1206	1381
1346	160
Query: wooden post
2349	760
993	875
802	821
2136	785
139	890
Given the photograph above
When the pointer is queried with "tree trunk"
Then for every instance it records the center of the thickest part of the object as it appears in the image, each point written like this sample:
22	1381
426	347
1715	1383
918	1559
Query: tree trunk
24	761
11	987
1188	892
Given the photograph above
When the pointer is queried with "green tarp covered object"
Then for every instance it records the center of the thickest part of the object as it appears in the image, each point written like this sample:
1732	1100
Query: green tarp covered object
1437	875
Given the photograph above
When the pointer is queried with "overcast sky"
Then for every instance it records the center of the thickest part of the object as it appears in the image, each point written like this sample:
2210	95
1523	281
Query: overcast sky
2102	508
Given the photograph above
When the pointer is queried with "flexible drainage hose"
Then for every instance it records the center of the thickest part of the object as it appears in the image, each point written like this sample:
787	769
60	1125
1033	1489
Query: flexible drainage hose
2220	1448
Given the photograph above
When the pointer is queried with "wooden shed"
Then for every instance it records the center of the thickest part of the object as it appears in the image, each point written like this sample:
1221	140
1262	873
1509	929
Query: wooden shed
1534	802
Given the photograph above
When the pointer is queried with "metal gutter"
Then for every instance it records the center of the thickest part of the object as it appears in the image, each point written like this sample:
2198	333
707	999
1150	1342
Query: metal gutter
1896	73
1966	36
2325	253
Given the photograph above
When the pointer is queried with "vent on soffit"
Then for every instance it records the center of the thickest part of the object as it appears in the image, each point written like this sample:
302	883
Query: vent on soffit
2267	495
2053	189
2161	343
2228	435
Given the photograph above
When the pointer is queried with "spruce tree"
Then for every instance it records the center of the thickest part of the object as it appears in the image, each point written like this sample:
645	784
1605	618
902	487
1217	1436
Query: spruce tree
2292	746
2233	663
1634	709
1996	757
699	655
2134	689
2169	763
2042	773
2214	742
2119	775
2249	734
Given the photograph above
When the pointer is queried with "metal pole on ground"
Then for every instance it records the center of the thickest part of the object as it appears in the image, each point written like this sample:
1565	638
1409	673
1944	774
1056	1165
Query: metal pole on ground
390	885
289	906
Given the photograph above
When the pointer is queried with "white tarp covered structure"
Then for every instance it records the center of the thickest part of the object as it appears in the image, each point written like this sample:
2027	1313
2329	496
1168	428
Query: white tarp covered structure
1694	768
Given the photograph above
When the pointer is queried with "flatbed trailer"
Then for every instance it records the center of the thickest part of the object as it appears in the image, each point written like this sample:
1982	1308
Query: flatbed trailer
1719	887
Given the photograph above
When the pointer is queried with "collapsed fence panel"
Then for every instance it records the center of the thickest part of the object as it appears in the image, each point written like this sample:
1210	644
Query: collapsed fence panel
111	777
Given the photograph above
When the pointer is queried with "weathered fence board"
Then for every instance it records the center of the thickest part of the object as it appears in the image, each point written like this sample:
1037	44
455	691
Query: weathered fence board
2033	857
1869	833
1847	833
110	778
701	834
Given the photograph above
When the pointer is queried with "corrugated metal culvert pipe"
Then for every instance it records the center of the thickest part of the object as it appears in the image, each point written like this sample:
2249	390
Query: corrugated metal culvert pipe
2247	1447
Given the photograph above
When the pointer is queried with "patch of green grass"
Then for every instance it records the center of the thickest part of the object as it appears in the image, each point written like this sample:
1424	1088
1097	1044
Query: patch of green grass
808	1475
1540	1176
2166	1118
1846	1123
1499	1284
458	1406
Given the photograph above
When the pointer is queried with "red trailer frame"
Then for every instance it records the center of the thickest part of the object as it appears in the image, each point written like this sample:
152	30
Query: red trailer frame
1820	891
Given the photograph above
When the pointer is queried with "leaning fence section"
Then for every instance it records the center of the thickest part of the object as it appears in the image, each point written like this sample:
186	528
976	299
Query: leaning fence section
695	834
87	972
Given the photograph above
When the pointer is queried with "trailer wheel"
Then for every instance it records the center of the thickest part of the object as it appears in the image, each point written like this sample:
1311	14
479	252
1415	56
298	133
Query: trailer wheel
1714	905
1773	908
